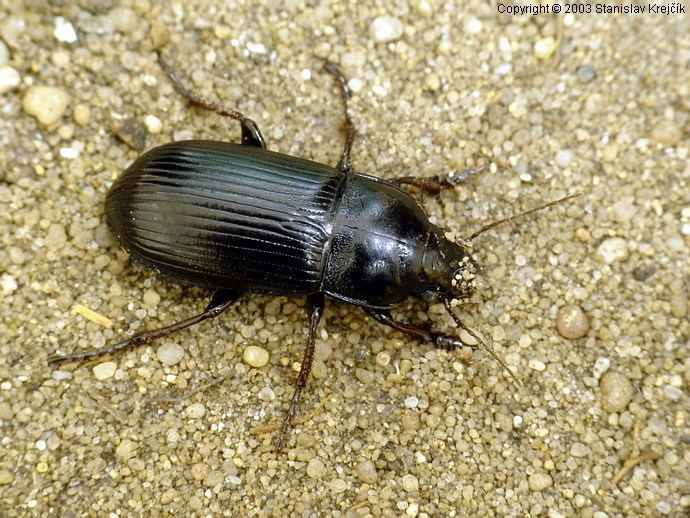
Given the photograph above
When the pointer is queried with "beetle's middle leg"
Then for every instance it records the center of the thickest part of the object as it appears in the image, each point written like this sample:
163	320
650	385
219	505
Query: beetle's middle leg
425	334
434	184
316	304
251	136
350	132
221	301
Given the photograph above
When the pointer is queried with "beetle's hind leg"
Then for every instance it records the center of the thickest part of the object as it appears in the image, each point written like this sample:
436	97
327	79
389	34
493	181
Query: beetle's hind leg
434	184
350	132
316	303
221	301
424	334
251	136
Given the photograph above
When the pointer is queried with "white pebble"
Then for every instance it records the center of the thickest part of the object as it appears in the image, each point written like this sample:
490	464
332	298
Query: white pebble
64	31
600	367
355	84
517	421
104	370
564	157
9	79
256	48
473	26
545	47
59	375
537	365
46	103
195	410
170	353
8	284
386	28
153	124
613	249
411	402
255	356
69	152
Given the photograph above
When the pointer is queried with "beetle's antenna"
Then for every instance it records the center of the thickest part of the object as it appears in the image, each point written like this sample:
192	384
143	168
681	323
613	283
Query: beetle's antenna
462	326
526	213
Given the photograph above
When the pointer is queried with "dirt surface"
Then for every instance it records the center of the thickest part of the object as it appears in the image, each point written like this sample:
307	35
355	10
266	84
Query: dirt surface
550	104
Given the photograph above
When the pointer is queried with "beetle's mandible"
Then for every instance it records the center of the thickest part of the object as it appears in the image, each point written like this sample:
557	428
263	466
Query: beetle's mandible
238	218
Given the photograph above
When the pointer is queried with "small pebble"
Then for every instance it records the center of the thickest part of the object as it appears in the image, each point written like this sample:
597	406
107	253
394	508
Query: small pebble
473	25
338	485
411	402
9	79
540	481
412	509
124	19
5	477
8	284
366	472
545	47
153	124
104	370
386	28
151	298
616	391
571	322
612	249
410	483
537	365
564	157
255	356
666	133
316	468
195	410
170	353
64	31
126	449
59	375
579	450
46	103
81	114
601	366
586	73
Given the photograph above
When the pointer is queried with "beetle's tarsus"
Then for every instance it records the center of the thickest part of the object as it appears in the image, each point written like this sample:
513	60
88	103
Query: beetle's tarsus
251	135
450	342
220	301
316	303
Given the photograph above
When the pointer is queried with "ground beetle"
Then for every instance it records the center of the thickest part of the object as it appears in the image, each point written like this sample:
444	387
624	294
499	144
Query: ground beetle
239	218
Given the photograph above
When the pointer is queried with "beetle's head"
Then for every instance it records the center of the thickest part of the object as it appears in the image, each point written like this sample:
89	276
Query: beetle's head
450	269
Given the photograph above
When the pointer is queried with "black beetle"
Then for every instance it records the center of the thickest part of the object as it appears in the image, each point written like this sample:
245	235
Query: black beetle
238	218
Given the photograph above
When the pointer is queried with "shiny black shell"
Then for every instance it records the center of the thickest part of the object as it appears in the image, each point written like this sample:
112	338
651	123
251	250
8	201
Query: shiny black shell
223	215
230	216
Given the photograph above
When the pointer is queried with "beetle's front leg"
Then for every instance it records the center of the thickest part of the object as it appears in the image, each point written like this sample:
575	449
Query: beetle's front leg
425	334
350	132
251	136
434	184
315	303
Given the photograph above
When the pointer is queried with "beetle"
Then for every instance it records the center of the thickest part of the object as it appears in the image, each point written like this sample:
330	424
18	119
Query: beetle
239	218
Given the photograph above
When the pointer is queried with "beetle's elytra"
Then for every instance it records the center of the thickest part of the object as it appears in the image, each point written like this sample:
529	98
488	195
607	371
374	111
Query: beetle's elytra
238	218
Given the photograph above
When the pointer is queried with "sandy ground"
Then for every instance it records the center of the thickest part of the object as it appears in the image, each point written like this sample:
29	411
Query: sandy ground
551	104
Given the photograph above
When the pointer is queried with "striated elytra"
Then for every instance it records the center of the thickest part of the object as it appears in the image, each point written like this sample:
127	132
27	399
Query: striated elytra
238	218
